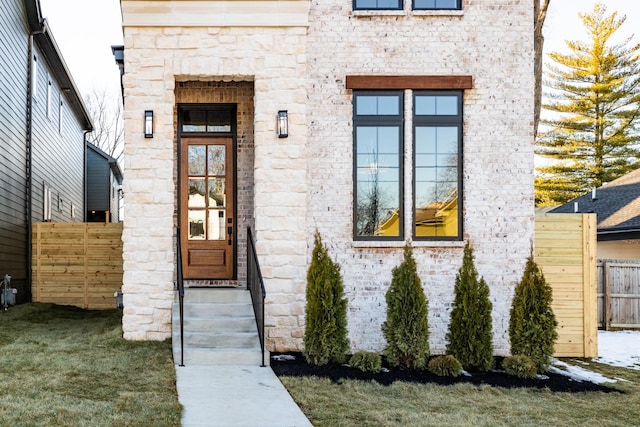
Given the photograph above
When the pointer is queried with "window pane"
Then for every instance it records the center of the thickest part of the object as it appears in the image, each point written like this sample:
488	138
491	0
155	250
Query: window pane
197	159
436	169
217	160
436	4
219	121
447	139
196	193
196	225
194	121
217	192
436	105
216	229
388	141
384	105
378	4
377	181
425	140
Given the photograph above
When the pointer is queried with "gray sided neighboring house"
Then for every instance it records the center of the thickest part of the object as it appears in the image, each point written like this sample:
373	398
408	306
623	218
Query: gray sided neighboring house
42	127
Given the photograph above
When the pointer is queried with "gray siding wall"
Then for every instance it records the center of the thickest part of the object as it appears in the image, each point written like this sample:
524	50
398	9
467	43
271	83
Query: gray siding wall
98	182
13	95
58	153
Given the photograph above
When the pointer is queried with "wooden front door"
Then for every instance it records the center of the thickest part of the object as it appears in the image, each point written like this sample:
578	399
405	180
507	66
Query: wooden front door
207	207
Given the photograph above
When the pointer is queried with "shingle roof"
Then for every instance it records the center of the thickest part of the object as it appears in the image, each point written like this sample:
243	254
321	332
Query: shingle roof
617	204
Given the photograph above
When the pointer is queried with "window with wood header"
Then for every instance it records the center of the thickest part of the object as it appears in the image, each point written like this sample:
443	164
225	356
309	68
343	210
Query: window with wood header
435	166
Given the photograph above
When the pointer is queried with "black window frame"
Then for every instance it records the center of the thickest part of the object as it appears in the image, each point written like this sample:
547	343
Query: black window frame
377	121
399	7
439	120
457	7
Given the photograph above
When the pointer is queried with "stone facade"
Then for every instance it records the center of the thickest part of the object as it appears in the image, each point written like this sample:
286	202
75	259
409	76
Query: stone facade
305	182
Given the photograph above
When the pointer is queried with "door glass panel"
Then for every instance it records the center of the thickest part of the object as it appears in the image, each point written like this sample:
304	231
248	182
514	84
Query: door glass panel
196	224
217	158
196	193
216	192
197	159
216	224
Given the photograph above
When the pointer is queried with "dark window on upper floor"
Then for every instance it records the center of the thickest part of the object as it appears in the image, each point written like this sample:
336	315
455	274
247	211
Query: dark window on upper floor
377	4
437	4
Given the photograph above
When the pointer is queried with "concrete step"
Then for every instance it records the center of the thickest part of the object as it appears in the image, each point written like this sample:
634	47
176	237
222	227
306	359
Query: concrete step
216	295
199	310
213	357
228	324
219	328
221	340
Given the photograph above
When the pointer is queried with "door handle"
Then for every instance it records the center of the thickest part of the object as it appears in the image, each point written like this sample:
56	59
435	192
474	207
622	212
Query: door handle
229	232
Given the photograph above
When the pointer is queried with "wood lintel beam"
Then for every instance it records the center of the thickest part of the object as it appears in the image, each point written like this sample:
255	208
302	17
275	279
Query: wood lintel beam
409	82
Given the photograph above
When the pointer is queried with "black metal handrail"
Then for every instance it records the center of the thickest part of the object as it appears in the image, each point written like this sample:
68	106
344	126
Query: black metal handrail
255	285
180	283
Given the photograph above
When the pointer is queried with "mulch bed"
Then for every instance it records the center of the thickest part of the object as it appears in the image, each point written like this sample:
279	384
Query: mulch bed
294	365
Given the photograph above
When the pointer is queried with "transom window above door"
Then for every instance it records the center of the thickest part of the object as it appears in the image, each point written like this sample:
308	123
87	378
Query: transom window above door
207	121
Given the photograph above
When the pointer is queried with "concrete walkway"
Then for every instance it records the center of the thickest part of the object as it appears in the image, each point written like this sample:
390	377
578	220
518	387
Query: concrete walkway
247	396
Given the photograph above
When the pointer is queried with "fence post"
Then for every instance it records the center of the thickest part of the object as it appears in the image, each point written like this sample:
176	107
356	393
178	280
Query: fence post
606	307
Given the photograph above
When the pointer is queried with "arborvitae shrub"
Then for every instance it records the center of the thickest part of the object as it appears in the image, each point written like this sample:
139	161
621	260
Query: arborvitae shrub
532	324
520	366
325	335
407	326
445	366
366	361
469	336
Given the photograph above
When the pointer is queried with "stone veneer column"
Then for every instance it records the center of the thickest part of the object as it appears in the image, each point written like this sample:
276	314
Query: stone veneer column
275	60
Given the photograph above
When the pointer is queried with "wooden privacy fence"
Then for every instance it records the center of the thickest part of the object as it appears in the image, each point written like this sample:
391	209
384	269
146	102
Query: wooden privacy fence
565	250
618	294
77	264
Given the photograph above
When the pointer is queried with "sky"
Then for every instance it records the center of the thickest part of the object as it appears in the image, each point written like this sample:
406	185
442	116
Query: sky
86	29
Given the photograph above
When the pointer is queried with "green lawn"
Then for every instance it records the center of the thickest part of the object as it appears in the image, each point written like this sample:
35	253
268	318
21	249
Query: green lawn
359	403
63	366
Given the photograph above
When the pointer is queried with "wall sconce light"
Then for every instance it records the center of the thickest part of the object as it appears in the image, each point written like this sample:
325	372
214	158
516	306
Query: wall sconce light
283	124
148	124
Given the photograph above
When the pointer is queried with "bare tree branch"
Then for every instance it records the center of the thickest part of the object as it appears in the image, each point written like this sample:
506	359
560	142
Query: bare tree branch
105	110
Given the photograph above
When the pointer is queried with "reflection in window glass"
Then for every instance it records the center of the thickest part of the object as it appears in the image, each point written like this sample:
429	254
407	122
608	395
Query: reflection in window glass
216	224
196	193
216	192
217	160
437	129
196	225
378	155
197	159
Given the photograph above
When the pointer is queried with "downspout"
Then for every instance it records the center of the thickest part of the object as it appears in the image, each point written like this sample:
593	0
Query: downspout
29	157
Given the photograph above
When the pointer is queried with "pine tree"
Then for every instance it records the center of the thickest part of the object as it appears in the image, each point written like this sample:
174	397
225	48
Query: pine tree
407	326
593	94
470	329
325	335
532	323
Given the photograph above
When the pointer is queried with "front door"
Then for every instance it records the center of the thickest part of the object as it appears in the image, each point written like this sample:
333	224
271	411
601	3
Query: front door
207	207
